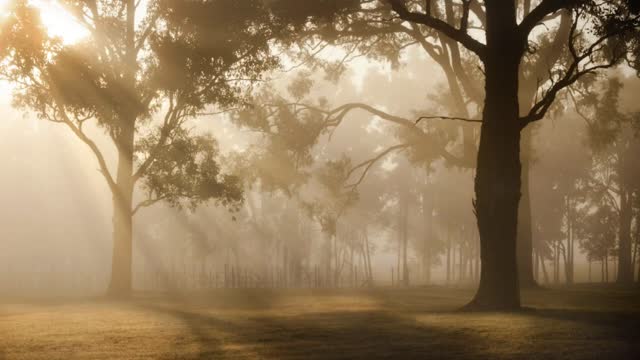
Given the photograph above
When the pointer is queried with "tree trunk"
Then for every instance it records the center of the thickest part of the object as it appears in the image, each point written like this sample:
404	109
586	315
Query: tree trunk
368	257
525	238
448	254
569	257
426	250
498	181
122	257
404	218
544	269
625	270
122	192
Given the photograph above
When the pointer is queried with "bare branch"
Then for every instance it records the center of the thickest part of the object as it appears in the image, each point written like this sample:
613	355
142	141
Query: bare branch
447	118
367	165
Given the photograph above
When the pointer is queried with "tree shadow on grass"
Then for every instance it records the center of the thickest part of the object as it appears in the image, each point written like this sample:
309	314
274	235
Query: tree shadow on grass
405	327
328	335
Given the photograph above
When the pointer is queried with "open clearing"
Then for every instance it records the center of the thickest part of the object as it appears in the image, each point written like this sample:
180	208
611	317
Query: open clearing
580	323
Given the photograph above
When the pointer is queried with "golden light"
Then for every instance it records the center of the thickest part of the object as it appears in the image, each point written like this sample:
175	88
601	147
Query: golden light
58	21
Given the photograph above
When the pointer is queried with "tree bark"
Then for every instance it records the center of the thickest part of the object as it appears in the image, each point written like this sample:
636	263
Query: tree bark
498	182
122	257
525	238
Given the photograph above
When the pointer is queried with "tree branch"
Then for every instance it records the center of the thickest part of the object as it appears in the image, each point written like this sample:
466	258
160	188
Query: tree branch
574	72
146	203
367	165
537	15
447	118
458	35
104	169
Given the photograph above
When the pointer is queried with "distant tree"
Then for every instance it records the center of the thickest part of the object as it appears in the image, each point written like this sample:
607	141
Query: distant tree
139	76
614	180
328	205
597	229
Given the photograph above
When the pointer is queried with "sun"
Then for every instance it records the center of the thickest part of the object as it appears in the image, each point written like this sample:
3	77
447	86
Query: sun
58	21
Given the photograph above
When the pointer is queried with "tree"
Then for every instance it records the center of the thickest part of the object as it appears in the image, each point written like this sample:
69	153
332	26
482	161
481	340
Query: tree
597	230
614	180
139	76
370	30
498	179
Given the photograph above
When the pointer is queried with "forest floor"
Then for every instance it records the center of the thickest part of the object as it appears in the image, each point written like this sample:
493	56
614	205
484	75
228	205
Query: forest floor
585	322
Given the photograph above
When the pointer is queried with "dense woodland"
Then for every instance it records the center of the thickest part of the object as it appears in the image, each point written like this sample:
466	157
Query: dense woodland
329	143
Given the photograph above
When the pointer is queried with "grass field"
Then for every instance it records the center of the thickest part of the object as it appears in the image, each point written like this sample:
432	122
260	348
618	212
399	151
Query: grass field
580	323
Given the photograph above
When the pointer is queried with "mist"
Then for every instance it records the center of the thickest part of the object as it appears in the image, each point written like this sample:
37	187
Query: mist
224	169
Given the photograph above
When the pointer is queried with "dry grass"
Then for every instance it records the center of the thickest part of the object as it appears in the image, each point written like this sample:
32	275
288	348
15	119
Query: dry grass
582	323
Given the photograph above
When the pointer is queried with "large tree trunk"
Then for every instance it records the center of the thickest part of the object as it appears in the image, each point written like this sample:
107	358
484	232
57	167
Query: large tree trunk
498	182
122	257
625	270
525	238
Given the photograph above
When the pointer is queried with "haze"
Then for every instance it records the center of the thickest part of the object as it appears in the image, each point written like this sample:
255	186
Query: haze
341	179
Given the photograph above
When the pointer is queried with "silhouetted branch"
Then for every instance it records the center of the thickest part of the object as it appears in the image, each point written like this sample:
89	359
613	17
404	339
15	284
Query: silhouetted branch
574	72
459	35
447	118
537	15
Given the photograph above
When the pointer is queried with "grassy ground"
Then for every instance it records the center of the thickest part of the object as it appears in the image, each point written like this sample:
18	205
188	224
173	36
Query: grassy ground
581	323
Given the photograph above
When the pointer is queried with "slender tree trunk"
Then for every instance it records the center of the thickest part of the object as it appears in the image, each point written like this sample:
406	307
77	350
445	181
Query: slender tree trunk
556	261
405	239
461	261
544	269
568	260
498	178
427	217
368	258
625	269
638	276
476	270
448	254
536	266
336	265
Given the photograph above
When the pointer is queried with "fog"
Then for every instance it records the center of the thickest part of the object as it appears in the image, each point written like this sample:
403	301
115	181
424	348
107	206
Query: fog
56	219
319	179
